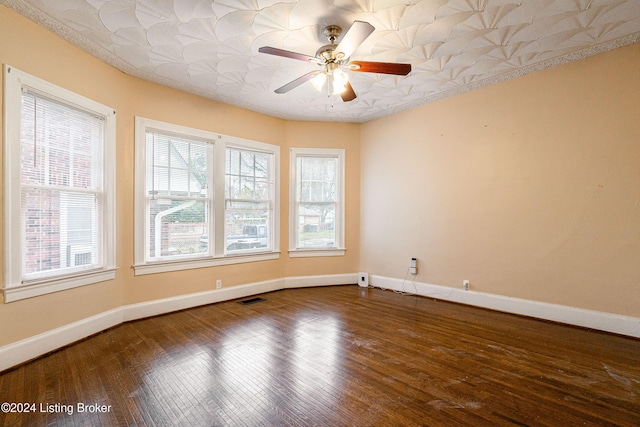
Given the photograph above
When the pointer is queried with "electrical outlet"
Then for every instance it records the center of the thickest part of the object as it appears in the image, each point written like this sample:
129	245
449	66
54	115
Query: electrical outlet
465	285
363	279
413	266
218	284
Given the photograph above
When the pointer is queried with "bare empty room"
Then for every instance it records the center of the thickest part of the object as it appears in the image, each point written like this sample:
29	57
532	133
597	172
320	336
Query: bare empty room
305	212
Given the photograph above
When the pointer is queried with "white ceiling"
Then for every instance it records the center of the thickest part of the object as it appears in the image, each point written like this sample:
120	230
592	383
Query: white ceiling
210	48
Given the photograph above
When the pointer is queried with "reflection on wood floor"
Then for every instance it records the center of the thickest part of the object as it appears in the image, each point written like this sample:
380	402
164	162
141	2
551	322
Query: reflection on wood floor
333	356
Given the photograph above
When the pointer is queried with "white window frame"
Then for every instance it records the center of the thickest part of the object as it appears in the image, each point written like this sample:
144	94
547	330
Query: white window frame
15	286
339	249
216	255
254	147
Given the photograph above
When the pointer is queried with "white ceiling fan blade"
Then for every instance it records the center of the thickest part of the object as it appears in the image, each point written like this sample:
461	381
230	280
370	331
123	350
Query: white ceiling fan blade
287	54
297	82
358	32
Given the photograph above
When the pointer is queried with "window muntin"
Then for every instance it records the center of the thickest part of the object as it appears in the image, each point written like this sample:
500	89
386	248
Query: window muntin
59	188
317	202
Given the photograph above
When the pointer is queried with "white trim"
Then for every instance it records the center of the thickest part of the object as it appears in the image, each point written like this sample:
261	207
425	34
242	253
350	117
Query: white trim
338	250
304	253
29	290
216	199
22	351
12	217
15	287
167	305
27	349
188	264
608	322
323	280
273	151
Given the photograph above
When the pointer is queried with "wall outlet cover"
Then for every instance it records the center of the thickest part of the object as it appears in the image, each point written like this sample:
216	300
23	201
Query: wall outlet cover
363	279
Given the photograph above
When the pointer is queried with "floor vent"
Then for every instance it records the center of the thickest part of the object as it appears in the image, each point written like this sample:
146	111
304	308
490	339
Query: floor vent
251	301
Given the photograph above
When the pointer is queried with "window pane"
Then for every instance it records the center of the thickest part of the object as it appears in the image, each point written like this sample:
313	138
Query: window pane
247	226
232	187
177	166
247	163
179	182
177	227
261	191
233	162
198	165
247	187
179	154
317	178
316	225
247	175
60	226
262	165
160	149
42	250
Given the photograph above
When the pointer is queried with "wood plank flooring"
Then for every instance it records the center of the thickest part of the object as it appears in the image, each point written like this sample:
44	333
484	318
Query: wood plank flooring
333	356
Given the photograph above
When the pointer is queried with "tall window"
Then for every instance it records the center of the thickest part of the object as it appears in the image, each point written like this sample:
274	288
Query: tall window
58	170
317	202
177	195
202	199
248	200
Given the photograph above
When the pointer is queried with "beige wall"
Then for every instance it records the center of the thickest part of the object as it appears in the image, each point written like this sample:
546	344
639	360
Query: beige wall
529	188
34	50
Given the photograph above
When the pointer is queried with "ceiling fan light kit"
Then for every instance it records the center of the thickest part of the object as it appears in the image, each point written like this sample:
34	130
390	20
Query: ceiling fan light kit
332	57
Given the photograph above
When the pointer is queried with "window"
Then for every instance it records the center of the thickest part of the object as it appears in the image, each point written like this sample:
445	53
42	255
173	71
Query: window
177	195
248	200
59	187
317	202
202	199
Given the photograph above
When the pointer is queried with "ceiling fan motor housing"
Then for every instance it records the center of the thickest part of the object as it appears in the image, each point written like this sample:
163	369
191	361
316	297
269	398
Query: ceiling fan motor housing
332	32
327	53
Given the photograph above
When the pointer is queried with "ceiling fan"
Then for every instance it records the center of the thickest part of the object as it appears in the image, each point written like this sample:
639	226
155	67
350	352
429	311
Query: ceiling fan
331	57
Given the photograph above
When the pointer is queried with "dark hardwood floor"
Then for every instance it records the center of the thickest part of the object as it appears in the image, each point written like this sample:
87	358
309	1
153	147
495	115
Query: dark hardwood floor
333	356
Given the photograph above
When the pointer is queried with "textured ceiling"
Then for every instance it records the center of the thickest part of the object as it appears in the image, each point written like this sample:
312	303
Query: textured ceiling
211	47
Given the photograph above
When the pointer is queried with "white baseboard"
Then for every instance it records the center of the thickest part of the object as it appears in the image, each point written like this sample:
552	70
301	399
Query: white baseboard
27	349
167	305
22	351
608	322
329	280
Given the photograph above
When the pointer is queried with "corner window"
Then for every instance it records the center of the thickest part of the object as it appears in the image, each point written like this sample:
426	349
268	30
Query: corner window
317	202
59	187
202	199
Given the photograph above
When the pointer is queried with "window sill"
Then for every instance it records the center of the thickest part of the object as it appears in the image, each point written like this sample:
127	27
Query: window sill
189	264
47	286
304	253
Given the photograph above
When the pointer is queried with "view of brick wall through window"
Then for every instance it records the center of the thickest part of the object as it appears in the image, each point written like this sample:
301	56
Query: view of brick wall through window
61	185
